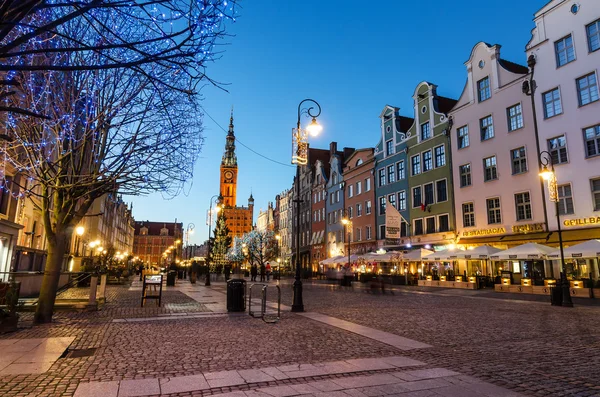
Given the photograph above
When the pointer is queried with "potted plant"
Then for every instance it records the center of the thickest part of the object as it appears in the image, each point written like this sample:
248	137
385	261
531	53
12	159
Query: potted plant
9	301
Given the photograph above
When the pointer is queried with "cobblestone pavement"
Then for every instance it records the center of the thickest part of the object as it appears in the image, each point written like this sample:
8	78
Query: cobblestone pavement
530	347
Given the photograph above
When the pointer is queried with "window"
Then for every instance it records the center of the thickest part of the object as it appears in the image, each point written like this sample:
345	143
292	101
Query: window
402	200
463	136
358	187
335	217
349	212
389	147
382	205
593	35
428	188
315	198
483	89
465	175
403	229
565	200
515	117
519	160
443	223
329	218
558	150
427	161
493	210
591	136
392	200
596	193
368	185
486	126
350	190
358	234
382	232
337	196
358	209
523	206
489	169
331	198
368	207
468	211
587	89
368	232
552	104
401	170
425	131
416	202
430	225
415	165
440	156
565	52
442	191
418	227
391	176
382	177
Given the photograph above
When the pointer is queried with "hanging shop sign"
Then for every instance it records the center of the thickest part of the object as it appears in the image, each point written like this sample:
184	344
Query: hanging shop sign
484	232
593	220
529	228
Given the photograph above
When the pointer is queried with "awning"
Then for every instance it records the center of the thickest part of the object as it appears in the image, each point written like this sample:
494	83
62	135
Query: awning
589	249
525	251
568	236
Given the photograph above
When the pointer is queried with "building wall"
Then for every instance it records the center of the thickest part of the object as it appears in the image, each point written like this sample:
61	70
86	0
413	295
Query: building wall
553	22
385	185
152	239
506	92
318	197
285	226
335	207
427	109
358	173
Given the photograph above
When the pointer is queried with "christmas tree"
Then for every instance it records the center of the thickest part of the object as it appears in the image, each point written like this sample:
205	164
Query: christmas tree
220	244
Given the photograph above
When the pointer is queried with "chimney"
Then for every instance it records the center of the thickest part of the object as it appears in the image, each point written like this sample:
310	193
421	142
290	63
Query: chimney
348	152
332	148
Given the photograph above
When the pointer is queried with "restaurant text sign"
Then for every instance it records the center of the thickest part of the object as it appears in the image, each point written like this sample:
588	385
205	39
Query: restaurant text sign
484	232
593	220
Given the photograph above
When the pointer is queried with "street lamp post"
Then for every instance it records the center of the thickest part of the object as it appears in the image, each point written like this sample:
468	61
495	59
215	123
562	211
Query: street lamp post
278	238
347	227
188	230
207	282
79	230
300	158
550	176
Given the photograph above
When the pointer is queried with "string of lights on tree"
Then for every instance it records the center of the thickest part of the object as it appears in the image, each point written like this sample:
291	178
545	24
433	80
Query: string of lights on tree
108	95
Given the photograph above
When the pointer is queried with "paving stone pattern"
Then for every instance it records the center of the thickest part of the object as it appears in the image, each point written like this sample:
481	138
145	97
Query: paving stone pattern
531	348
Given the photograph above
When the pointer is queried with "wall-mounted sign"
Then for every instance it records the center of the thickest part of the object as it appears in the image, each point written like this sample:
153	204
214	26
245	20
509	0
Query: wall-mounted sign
484	232
529	228
593	220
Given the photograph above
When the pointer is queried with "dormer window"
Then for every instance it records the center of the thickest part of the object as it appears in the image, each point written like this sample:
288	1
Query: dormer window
164	231
483	89
389	147
144	231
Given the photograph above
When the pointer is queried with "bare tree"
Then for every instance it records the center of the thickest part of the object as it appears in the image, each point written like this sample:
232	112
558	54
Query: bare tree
141	35
135	129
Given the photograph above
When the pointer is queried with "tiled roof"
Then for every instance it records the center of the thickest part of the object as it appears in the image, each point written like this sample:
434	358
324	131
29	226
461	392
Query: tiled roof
155	227
444	104
513	67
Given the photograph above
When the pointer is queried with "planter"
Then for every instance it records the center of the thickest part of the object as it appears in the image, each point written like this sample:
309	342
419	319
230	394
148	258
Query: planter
8	324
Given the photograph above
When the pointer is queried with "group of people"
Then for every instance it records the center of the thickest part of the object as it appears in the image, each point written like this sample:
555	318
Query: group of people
265	271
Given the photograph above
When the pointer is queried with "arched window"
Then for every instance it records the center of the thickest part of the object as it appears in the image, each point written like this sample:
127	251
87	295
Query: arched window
358	162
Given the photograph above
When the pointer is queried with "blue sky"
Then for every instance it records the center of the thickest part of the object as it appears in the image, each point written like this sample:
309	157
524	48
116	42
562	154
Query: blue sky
352	57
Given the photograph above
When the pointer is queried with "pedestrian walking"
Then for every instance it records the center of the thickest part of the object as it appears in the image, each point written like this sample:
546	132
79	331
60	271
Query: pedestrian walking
263	270
268	269
253	272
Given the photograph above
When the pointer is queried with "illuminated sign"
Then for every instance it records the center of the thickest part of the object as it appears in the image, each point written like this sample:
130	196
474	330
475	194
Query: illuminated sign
532	227
484	232
593	220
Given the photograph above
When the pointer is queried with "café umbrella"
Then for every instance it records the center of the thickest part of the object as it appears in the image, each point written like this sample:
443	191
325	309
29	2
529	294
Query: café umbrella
416	255
588	249
523	252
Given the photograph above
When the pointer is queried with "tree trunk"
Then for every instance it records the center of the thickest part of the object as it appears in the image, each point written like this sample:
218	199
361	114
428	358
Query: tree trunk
54	262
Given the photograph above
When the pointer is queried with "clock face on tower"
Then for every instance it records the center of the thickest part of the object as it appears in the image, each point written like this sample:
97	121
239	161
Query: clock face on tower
228	175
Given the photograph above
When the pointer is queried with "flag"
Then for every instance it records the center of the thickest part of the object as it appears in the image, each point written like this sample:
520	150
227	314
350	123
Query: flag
393	220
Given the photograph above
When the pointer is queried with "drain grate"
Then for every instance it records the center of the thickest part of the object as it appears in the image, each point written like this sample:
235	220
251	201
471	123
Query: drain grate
78	353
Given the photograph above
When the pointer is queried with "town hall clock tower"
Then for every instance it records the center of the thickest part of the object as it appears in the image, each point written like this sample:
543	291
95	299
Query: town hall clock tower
229	169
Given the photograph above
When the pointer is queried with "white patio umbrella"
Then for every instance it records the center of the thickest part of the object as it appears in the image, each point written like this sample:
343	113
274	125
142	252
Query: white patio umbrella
445	255
525	251
588	249
330	261
416	255
344	259
481	252
375	257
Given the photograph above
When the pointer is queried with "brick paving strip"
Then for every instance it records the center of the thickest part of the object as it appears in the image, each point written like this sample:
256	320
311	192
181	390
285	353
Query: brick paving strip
429	382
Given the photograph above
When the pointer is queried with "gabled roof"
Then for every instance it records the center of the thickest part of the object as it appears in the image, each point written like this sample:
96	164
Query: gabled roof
444	104
513	67
403	123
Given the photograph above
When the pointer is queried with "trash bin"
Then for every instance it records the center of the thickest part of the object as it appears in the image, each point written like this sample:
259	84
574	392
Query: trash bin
556	295
236	295
171	278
